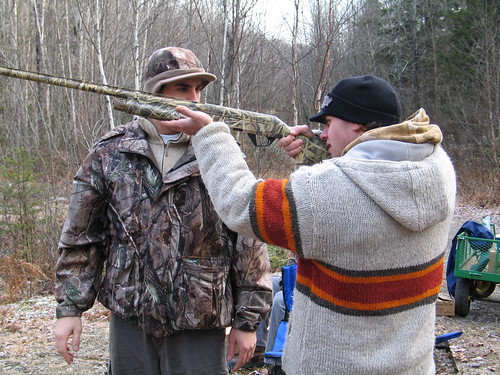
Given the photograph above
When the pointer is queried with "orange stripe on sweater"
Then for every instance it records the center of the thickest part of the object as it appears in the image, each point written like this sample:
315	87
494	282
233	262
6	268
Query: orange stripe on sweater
374	306
287	219
259	208
379	279
370	293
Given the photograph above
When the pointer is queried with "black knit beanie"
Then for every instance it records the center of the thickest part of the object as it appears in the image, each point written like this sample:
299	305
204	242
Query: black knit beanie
361	100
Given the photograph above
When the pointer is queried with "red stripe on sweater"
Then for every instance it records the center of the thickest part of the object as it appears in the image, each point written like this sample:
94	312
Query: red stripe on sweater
272	210
370	293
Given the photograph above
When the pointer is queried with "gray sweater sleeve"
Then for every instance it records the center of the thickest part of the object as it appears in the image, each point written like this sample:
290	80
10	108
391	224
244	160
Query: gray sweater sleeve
226	175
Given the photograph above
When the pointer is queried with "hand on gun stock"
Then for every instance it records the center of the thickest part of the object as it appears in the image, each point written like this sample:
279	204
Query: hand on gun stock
293	143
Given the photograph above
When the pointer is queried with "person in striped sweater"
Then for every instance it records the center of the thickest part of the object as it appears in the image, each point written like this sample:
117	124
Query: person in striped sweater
369	227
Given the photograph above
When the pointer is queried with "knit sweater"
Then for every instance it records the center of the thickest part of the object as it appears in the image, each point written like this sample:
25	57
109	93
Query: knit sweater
369	229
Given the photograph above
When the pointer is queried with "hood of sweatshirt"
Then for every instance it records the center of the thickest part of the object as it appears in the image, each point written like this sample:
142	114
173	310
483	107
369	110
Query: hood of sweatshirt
407	174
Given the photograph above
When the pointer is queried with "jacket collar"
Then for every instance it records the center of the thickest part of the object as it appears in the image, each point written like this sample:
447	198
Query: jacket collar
135	141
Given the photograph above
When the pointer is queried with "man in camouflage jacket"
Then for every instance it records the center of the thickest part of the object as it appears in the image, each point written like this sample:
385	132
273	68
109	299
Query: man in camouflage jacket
143	237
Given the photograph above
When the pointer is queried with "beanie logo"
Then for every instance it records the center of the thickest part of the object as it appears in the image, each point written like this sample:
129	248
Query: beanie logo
326	102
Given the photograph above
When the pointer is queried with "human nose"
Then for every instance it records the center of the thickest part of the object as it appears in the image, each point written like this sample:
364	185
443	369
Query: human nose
193	95
324	133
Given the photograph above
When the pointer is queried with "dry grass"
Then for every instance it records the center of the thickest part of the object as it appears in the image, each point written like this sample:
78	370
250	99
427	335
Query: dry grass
21	279
479	188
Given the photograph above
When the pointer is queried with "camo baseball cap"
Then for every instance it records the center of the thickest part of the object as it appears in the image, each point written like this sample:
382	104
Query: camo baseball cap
172	64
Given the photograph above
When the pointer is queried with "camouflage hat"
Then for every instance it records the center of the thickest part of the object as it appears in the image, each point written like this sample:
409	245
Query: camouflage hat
172	64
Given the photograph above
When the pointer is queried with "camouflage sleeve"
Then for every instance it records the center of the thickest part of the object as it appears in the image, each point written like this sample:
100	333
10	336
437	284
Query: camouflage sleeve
78	276
252	283
82	245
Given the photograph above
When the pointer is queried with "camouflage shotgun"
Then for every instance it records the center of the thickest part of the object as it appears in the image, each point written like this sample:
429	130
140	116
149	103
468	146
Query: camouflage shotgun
153	106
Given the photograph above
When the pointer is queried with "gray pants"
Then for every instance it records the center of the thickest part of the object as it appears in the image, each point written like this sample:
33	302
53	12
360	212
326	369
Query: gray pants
262	331
132	352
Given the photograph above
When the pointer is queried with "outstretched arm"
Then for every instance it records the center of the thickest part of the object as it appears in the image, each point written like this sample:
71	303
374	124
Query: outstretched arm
196	120
249	206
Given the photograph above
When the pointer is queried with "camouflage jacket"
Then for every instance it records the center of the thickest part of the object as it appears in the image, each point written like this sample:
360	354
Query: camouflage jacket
152	249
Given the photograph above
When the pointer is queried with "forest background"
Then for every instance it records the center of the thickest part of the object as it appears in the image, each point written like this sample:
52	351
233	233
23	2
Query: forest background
440	55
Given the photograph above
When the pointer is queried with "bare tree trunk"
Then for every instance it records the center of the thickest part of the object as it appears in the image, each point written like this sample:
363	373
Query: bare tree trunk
237	90
415	52
100	61
491	90
230	63
71	93
69	136
235	35
324	51
142	62
222	78
432	34
135	47
295	64
141	12
41	89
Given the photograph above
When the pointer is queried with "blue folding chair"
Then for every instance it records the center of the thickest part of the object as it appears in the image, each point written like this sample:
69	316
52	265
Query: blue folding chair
288	276
446	336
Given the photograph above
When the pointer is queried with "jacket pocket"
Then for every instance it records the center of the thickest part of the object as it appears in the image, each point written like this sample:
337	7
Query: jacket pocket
122	256
120	289
202	294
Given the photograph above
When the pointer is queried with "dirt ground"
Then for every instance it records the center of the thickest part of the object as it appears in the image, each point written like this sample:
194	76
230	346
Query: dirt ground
477	350
26	341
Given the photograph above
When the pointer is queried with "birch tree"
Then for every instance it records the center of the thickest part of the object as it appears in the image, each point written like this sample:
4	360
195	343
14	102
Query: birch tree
98	33
295	62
